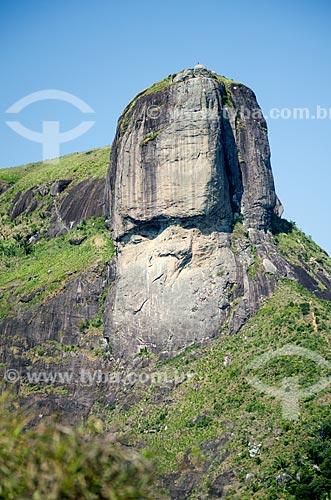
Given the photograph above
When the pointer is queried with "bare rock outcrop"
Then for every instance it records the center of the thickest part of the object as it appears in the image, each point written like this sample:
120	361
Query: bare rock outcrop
188	152
50	338
190	159
83	201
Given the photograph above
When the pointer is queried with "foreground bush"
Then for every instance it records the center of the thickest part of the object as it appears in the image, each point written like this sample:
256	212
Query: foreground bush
55	462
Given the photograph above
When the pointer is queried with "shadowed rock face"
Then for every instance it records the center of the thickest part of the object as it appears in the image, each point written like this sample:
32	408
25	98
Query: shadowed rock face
187	161
23	202
80	202
83	201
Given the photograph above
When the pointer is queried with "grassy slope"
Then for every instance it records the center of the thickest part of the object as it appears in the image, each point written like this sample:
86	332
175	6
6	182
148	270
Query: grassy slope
52	262
52	254
76	166
216	399
57	462
300	249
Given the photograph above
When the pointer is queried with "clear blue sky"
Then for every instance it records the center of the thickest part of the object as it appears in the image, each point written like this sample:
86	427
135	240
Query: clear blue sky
107	51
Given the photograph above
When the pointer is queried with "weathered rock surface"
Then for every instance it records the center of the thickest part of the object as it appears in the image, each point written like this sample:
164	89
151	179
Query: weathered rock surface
49	338
83	201
184	173
183	286
4	186
177	155
79	202
23	202
187	161
249	128
59	186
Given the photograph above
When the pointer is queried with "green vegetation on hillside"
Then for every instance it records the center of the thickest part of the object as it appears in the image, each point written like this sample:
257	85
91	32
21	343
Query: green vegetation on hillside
227	83
51	262
215	401
77	166
300	249
33	271
313	465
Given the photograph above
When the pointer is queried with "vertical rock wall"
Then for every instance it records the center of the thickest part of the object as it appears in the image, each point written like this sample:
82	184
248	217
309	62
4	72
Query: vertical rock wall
190	156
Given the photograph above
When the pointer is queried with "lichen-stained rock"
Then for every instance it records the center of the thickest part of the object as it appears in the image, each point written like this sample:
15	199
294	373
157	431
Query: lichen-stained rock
172	290
59	318
169	163
56	330
22	202
4	186
190	158
182	286
84	200
197	148
59	186
183	167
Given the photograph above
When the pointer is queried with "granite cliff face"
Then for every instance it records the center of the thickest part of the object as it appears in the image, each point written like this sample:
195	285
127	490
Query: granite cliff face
194	152
190	162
